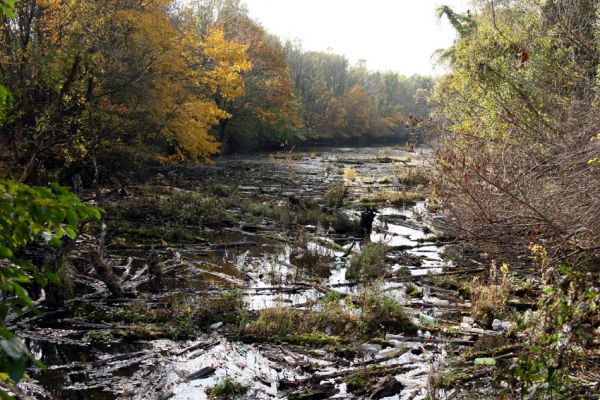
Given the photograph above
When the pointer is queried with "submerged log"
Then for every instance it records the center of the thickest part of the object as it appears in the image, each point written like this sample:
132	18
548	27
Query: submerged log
386	387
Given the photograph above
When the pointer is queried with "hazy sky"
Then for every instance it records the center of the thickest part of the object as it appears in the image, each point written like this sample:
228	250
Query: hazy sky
398	35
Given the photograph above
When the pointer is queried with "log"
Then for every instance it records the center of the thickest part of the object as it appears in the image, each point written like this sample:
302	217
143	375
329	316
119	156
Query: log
104	269
386	387
201	374
400	338
198	346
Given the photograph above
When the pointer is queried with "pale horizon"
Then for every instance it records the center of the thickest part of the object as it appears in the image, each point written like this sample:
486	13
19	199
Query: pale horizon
391	35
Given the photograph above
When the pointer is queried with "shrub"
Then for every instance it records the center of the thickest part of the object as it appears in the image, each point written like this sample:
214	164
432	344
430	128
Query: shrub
369	264
335	196
227	389
490	301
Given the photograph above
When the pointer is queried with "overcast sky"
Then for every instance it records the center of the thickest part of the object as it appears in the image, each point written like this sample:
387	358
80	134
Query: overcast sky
397	35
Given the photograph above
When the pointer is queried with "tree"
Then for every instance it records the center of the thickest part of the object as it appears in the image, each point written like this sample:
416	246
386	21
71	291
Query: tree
519	111
89	75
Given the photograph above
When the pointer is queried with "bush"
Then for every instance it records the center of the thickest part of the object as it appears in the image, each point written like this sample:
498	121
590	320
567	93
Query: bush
335	196
380	313
227	389
369	264
490	301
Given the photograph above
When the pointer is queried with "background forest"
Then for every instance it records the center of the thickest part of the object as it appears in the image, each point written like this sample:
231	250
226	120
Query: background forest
95	82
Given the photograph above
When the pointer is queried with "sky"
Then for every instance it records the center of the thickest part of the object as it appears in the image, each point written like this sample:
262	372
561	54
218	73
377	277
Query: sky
395	35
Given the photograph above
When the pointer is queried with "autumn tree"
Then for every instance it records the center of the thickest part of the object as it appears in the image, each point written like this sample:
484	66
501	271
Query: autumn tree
92	75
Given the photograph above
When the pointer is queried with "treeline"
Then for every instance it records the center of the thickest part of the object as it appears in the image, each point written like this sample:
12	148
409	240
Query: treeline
93	82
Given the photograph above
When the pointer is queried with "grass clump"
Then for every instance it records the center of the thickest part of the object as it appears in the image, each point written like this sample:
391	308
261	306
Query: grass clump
335	196
311	262
162	206
393	197
369	264
413	177
490	300
379	313
179	317
304	215
217	189
350	175
227	389
332	321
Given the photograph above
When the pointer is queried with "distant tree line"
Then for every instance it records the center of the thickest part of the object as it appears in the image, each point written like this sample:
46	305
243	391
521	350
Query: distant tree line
92	81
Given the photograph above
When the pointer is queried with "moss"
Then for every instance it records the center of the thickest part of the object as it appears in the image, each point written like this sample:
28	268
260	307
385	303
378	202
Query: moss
412	290
454	378
360	382
384	180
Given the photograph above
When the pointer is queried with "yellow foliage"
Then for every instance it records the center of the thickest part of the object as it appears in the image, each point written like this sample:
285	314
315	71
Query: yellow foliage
349	175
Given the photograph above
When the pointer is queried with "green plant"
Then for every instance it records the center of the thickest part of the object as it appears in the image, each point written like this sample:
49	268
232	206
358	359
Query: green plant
227	389
215	188
369	264
335	196
380	313
49	215
556	335
98	337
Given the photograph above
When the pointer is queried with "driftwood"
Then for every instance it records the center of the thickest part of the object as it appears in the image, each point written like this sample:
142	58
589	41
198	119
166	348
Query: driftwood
399	338
317	378
198	346
386	387
201	374
104	268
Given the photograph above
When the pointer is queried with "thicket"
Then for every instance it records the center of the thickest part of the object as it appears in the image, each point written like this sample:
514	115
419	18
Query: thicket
518	171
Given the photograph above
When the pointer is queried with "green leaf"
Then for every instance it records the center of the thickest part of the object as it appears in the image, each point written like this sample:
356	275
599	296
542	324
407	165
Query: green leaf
16	369
70	232
55	241
72	218
5	252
